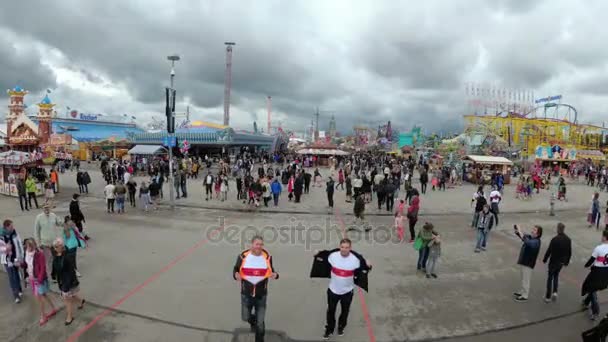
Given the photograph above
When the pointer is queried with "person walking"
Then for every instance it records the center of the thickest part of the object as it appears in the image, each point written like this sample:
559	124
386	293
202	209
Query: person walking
340	179
349	189
558	254
110	194
330	191
177	182
399	229
183	181
30	188
54	180
46	231
223	188
495	199
252	270
276	189
155	194
357	186
12	258
132	189
389	194
424	179
359	212
120	190
594	213
412	216
434	254
480	200
80	181
72	241
298	187
144	195
307	180
527	259
208	186
485	222
425	235
21	191
38	278
345	268
266	192
76	214
597	279
65	272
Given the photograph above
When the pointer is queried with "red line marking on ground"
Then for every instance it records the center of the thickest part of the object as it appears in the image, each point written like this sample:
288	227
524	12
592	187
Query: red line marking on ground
141	286
368	322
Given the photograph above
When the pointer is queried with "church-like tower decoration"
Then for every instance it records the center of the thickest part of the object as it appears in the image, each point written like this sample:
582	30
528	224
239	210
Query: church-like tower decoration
16	107
332	127
45	116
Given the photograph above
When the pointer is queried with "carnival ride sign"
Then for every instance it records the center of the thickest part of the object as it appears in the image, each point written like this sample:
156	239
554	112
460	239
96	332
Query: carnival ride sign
555	152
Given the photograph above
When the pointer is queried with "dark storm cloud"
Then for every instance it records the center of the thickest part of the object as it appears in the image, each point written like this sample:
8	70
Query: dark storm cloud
369	63
22	68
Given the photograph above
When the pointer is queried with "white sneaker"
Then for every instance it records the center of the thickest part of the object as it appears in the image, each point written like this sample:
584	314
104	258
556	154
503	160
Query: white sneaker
554	297
78	274
17	300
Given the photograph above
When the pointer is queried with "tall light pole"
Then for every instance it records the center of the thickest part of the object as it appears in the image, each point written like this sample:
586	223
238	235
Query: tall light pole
228	82
173	58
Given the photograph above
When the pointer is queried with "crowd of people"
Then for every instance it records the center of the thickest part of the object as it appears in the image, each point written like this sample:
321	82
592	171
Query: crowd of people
385	181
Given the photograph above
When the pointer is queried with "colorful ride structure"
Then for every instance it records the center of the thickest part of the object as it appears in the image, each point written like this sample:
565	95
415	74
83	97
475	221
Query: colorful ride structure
549	124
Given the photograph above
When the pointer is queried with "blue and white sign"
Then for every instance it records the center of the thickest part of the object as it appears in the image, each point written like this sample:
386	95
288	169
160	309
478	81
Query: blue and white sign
549	99
88	117
169	141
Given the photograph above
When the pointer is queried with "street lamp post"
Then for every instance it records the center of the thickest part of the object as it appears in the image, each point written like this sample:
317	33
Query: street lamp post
173	58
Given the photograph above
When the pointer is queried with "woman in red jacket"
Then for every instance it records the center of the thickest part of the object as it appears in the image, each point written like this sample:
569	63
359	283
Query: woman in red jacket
36	269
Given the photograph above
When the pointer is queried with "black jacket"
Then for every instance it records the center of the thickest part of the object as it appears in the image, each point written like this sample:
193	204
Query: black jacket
75	213
260	289
559	251
64	271
321	268
529	251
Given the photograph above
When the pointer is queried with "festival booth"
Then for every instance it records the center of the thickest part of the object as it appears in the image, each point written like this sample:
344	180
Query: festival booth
484	166
142	155
15	164
323	155
595	156
554	157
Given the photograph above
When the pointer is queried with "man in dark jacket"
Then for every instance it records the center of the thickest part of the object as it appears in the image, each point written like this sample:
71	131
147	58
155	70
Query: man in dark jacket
389	194
330	192
252	269
558	254
298	186
345	268
527	259
424	178
22	193
76	215
307	179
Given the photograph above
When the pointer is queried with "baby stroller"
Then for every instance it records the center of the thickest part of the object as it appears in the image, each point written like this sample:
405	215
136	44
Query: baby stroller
597	333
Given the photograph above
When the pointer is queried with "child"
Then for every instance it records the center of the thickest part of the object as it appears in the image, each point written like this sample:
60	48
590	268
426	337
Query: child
434	254
36	268
224	189
49	194
399	225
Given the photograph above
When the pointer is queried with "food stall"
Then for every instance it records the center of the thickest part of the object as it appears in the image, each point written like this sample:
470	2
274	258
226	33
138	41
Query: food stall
14	164
482	168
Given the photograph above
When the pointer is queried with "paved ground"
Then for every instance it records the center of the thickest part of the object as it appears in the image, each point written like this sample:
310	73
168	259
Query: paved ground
167	275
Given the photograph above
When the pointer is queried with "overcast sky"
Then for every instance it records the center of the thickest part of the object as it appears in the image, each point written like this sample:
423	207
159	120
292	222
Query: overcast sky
364	61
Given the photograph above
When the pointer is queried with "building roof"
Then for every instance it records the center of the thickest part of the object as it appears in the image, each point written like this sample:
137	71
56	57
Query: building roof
490	160
148	149
46	100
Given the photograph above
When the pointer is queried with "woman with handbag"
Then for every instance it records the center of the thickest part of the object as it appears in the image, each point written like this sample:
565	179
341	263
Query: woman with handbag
72	241
65	273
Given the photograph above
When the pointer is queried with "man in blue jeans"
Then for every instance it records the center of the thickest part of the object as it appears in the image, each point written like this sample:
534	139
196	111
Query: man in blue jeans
485	222
12	256
252	269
